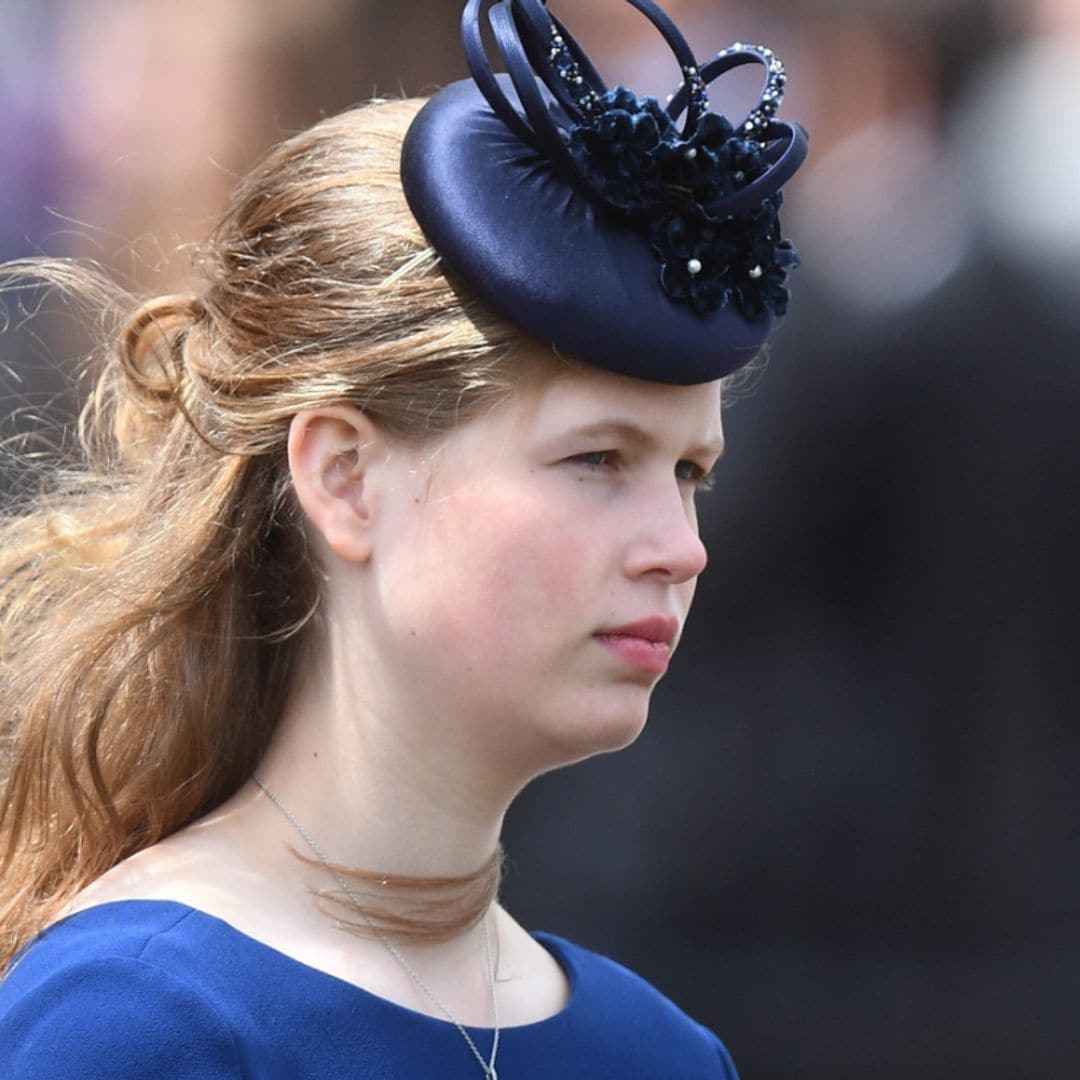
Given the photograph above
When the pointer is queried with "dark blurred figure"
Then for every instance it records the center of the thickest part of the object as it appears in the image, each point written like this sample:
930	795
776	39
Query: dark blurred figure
879	691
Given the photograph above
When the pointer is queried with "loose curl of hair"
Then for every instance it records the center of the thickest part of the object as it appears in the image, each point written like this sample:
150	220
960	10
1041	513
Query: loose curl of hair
153	600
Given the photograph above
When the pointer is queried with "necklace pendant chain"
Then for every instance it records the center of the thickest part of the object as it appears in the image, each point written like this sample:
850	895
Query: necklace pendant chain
489	1065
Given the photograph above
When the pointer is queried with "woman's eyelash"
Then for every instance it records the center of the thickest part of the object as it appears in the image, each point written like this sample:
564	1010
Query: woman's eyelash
597	459
702	479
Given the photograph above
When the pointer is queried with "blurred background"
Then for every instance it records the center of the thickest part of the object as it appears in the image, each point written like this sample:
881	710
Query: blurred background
846	840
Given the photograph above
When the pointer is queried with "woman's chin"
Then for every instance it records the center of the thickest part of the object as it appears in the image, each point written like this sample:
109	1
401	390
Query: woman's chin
600	729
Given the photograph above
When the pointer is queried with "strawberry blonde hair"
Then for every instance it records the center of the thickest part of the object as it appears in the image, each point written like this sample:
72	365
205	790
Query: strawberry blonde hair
153	599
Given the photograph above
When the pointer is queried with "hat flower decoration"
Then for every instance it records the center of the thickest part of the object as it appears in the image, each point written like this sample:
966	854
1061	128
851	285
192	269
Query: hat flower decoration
639	237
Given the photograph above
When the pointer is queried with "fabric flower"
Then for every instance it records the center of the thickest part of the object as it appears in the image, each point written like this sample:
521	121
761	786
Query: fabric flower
760	280
631	152
694	267
617	153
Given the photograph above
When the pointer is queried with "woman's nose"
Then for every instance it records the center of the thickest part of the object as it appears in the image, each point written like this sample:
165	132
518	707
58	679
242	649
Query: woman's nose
666	542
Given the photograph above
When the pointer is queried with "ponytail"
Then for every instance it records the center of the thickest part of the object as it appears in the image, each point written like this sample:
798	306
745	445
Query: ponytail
149	619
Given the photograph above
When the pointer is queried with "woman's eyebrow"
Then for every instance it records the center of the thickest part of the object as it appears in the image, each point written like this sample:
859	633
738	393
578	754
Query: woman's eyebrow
625	429
635	433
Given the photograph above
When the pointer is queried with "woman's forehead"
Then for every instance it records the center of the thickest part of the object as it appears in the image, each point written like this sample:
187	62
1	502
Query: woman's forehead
562	395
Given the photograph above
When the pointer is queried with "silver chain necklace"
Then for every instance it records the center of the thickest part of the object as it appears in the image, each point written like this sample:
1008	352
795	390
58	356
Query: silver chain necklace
489	1065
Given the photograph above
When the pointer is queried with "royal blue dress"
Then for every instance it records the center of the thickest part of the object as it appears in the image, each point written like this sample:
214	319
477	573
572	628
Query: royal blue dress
139	989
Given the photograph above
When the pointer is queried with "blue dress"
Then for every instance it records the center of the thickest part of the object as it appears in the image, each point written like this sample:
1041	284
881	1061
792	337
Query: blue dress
138	989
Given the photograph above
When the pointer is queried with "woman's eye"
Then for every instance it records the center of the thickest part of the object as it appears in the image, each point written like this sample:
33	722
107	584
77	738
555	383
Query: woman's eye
597	459
686	471
693	473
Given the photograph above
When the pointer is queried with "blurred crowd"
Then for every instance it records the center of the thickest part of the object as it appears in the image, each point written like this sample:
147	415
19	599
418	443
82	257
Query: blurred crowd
844	840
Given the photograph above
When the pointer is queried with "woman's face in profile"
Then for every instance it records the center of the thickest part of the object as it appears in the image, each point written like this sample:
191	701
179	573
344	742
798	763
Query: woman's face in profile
537	564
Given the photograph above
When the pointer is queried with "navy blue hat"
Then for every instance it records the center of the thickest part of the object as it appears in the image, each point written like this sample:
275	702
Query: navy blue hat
593	219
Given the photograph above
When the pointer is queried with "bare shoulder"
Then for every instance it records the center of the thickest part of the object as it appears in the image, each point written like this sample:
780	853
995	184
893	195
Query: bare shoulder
185	868
214	864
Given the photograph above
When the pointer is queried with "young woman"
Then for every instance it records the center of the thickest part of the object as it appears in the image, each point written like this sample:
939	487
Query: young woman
357	552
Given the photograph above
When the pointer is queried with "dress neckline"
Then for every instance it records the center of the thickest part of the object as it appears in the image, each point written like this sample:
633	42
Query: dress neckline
554	945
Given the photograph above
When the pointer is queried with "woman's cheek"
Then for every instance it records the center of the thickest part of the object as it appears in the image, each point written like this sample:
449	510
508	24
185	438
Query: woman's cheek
516	570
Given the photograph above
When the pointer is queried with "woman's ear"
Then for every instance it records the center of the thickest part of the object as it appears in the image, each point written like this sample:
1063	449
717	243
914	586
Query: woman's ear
332	452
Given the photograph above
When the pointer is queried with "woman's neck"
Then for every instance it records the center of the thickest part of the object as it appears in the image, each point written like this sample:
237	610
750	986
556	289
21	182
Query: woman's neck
376	795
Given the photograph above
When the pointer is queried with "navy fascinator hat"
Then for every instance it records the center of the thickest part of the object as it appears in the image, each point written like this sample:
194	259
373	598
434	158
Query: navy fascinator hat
636	237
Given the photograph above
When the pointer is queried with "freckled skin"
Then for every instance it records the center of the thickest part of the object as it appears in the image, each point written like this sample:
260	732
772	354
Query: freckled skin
504	555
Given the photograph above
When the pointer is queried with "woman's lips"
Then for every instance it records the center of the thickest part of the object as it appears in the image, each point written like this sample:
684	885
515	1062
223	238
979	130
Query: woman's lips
645	644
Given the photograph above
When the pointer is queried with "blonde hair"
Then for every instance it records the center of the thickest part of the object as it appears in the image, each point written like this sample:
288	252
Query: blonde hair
152	600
